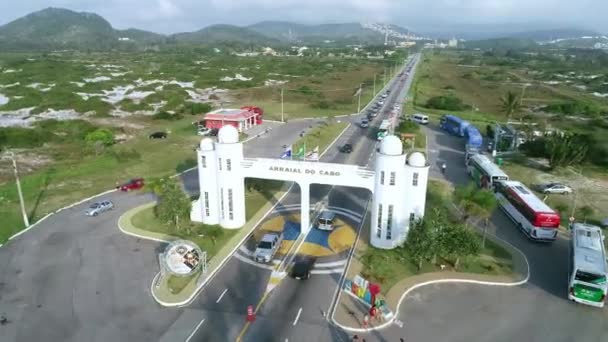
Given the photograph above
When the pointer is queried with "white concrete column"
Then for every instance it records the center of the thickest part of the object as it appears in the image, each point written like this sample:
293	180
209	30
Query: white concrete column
305	205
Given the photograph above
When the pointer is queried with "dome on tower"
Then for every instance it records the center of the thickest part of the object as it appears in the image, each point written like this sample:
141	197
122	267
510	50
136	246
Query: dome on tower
206	144
417	159
228	134
391	146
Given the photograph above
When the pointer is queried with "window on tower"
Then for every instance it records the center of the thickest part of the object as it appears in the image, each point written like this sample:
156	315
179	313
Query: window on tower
389	221
415	179
228	165
206	204
230	207
219	164
379	227
392	179
204	161
382	177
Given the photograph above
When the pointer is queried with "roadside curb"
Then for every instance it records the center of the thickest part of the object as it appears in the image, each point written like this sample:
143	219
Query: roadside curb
438	281
127	217
212	273
58	211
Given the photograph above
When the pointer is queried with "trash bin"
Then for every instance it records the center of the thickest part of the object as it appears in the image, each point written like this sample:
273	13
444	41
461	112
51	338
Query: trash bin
498	161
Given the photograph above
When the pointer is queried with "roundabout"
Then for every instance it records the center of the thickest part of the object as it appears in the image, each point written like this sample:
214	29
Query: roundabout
330	248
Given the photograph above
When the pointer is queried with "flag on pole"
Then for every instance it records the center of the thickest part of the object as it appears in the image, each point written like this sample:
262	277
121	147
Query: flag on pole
314	155
287	153
301	152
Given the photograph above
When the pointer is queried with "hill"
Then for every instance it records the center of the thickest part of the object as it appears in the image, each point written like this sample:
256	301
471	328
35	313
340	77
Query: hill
222	34
555	34
140	36
57	28
501	43
291	32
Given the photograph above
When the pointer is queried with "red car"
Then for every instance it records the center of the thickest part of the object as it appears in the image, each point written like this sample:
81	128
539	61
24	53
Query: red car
133	184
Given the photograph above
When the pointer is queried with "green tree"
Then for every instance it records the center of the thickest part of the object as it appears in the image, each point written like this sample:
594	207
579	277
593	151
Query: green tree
586	211
173	206
464	197
510	104
213	232
567	149
99	139
459	242
476	202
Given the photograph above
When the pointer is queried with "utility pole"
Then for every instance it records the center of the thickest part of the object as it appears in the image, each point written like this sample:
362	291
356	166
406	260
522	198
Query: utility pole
26	220
282	108
374	84
384	77
359	100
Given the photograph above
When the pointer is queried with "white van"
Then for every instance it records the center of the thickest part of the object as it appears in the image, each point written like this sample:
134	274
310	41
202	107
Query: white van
326	220
420	118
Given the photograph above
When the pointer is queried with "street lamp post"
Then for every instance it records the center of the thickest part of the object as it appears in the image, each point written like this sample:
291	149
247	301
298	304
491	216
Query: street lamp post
374	84
384	77
282	107
359	100
26	220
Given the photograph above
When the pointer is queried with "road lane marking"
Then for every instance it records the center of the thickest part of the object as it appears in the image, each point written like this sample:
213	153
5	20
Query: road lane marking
195	329
221	296
295	321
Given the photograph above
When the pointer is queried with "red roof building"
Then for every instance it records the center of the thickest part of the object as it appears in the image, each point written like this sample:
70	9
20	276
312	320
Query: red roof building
242	119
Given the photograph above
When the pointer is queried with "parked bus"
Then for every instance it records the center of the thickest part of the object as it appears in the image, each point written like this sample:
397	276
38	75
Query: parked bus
473	143
528	212
587	271
484	172
383	129
453	125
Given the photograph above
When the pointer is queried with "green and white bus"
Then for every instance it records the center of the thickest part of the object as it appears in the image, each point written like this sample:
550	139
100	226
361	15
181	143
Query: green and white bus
588	270
484	172
383	129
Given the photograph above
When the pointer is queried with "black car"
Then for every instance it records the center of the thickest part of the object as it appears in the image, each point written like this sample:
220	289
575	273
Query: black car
213	132
302	267
158	135
346	148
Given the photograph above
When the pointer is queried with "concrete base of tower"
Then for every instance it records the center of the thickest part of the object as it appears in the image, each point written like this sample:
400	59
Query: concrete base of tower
387	244
196	213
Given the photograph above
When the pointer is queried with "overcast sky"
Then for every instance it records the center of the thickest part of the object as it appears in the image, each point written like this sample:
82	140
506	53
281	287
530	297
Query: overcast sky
169	16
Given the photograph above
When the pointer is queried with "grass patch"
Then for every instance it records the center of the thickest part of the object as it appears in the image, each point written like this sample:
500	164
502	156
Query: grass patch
177	284
321	136
387	267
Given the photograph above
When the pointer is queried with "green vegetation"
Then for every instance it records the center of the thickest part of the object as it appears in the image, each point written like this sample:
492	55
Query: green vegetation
447	102
427	247
410	127
321	136
176	284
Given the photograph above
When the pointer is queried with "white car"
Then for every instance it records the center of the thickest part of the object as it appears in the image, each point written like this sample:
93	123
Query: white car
99	207
556	188
203	131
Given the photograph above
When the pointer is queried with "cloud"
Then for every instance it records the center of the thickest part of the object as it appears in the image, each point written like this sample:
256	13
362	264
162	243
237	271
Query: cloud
186	15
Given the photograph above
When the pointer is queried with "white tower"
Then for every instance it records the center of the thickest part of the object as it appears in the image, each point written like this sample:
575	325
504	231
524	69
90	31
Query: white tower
205	209
416	178
230	180
388	219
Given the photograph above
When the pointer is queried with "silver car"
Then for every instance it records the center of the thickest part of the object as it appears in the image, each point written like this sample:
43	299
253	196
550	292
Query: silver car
267	247
99	207
556	188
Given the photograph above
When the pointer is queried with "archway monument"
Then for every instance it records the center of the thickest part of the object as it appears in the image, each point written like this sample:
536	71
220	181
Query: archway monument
398	185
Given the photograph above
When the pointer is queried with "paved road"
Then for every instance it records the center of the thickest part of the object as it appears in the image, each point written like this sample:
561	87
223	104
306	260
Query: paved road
536	311
276	319
77	279
73	278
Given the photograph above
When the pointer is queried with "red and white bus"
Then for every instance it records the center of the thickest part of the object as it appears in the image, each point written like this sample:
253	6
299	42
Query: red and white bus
535	218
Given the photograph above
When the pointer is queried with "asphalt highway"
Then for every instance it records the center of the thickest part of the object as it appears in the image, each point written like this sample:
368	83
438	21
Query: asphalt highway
294	311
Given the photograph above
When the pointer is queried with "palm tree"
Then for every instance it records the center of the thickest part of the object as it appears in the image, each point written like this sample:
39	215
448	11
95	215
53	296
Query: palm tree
510	104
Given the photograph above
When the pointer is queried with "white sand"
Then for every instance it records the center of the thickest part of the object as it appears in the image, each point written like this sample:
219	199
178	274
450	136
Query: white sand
237	77
78	84
97	79
600	94
9	71
3	100
24	118
118	94
10	85
273	82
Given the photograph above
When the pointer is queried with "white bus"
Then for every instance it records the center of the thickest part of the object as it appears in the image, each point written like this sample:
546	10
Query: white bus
535	218
484	172
383	129
587	271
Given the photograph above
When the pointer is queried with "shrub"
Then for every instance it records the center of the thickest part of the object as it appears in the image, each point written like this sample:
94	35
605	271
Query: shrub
166	116
534	148
200	108
448	102
408	127
100	136
573	108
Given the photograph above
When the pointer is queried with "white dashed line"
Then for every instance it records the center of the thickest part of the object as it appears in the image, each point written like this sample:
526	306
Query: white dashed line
295	321
195	329
221	296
